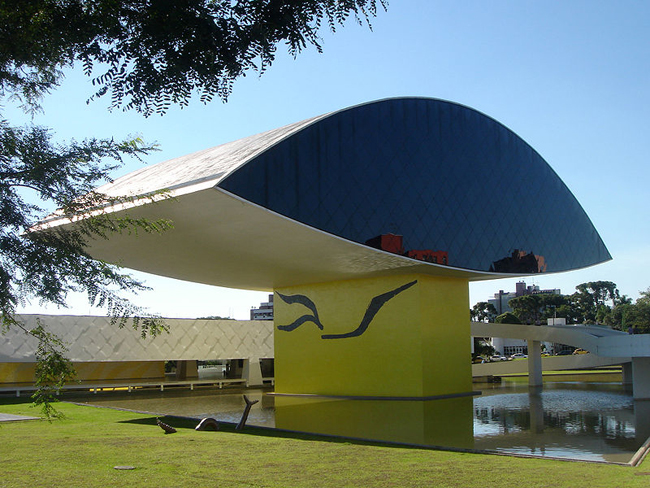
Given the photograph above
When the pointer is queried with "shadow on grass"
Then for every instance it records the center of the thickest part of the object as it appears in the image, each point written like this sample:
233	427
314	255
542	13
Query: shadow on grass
176	422
14	400
189	423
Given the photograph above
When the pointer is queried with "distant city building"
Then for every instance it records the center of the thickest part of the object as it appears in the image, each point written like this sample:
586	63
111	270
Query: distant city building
501	301
265	310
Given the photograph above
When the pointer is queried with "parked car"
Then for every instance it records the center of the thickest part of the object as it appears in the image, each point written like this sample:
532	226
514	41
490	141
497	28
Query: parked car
498	358
580	351
518	356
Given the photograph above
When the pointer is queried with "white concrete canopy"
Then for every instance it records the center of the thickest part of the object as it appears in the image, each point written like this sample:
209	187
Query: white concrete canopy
220	239
295	205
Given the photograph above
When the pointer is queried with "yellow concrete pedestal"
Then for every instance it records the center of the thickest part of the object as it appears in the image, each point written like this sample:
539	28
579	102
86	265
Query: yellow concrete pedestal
398	336
445	422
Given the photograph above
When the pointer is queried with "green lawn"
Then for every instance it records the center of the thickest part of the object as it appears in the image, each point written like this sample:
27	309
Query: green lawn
82	450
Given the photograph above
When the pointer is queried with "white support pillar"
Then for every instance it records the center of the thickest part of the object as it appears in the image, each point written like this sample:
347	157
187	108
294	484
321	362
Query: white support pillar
534	363
252	372
627	373
641	378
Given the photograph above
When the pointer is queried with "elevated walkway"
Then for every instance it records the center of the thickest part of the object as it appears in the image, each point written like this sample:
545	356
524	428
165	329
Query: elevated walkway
553	363
130	385
607	347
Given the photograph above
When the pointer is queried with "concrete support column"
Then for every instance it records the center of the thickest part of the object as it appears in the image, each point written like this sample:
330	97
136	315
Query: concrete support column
627	373
392	336
181	370
252	372
641	378
186	369
534	363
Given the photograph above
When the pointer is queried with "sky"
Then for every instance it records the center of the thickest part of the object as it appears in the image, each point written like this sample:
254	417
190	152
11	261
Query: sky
571	78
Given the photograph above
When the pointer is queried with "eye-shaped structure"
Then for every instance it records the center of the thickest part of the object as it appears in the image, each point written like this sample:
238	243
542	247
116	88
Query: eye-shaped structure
387	187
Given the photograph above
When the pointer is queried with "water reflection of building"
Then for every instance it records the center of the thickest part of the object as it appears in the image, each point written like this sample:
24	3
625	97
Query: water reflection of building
520	262
573	422
394	243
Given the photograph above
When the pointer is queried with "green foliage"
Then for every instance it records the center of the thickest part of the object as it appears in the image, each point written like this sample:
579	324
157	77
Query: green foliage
593	299
507	318
527	308
597	302
633	317
482	348
53	370
149	54
483	312
537	308
145	55
46	265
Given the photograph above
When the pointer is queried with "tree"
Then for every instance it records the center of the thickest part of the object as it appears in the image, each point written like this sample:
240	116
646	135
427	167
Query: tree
483	312
591	300
507	318
144	55
642	320
48	265
628	316
554	306
482	347
148	54
568	312
600	291
528	308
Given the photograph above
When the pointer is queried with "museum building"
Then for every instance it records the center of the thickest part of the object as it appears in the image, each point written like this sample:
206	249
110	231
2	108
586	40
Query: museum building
367	224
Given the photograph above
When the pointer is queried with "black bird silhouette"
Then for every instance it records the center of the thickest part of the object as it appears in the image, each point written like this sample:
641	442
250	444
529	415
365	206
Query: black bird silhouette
373	308
303	300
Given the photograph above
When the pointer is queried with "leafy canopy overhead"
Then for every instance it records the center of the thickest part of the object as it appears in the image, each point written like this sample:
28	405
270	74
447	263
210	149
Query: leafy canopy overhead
35	173
49	265
144	55
148	54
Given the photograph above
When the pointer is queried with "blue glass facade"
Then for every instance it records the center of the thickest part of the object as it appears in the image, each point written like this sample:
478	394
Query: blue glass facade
444	176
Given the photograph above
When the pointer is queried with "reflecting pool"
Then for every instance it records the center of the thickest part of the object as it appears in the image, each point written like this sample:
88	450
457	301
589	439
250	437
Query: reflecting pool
575	420
598	422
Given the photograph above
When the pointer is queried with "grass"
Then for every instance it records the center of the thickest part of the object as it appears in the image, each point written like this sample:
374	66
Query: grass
82	450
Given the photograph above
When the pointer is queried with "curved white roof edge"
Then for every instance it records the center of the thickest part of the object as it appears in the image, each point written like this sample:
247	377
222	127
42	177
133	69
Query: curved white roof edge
225	240
216	163
208	166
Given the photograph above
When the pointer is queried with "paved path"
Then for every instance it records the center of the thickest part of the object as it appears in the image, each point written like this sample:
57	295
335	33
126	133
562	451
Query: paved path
7	417
597	340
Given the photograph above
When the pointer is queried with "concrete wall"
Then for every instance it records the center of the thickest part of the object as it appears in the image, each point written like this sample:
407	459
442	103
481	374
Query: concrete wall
103	352
91	338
